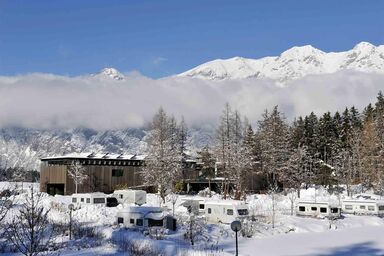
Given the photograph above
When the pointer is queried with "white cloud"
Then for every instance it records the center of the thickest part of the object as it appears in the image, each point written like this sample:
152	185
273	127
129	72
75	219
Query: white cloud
50	101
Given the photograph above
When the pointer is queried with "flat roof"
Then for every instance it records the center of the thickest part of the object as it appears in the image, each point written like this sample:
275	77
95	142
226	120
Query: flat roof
96	156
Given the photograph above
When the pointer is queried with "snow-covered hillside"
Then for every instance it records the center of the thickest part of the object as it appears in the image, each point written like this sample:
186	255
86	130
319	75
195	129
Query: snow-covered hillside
292	64
22	147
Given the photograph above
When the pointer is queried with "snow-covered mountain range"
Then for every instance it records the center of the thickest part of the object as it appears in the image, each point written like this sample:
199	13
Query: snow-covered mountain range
22	147
292	64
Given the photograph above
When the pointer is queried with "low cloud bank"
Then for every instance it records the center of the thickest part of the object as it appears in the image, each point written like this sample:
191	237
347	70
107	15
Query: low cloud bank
46	101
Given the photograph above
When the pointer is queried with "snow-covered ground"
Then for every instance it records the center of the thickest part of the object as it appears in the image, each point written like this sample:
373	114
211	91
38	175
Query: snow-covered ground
292	235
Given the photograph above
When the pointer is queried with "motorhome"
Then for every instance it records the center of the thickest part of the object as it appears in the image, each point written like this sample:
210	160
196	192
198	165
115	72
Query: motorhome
363	207
128	196
145	216
225	211
318	209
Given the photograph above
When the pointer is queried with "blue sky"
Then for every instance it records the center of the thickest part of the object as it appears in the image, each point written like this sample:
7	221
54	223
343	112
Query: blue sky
159	38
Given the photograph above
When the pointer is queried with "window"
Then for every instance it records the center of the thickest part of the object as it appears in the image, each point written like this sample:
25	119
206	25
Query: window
99	200
117	172
88	200
74	200
121	196
348	207
132	221
229	212
381	207
323	210
362	207
82	200
120	220
209	210
313	208
201	206
371	208
139	222
334	210
242	211
301	208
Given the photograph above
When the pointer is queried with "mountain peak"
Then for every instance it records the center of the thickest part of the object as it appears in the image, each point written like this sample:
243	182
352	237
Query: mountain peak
111	73
294	63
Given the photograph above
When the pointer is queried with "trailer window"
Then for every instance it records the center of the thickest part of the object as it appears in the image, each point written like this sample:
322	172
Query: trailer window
99	200
381	207
202	206
348	207
88	200
82	200
242	211
209	210
323	210
334	210
362	207
139	222
132	221
120	220
371	207
301	208
121	196
229	212
74	200
313	208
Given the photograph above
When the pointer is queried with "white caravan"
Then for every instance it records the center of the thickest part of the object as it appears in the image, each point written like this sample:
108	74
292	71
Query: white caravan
318	209
363	207
145	216
225	211
128	196
96	198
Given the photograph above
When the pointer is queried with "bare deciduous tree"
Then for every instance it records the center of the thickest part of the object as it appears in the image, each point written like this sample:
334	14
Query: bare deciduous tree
77	173
29	230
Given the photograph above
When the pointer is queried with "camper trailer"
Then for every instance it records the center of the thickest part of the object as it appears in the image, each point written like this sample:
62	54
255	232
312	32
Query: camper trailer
318	209
225	211
363	207
96	198
145	216
128	196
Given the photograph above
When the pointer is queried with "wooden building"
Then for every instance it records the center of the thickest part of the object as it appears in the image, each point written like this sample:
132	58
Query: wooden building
105	172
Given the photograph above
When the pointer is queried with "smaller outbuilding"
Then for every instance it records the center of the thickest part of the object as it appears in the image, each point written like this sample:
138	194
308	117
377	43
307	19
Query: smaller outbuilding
318	209
130	196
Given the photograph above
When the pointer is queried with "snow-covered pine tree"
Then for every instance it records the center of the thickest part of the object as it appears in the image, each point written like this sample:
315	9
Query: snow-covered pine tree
163	162
77	173
274	141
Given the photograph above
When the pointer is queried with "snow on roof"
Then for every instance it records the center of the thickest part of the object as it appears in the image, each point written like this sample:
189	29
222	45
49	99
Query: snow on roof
362	200
226	202
318	202
142	209
98	156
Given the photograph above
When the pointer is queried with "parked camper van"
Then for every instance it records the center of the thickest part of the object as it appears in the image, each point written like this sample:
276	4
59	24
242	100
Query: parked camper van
363	207
129	196
225	211
96	198
318	209
145	216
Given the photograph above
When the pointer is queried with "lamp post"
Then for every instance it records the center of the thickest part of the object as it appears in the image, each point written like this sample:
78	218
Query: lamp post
236	226
70	207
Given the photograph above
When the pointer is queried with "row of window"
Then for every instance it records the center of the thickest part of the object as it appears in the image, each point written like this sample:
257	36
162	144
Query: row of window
139	222
99	162
88	200
363	207
322	209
